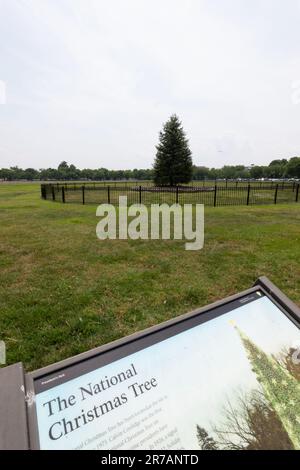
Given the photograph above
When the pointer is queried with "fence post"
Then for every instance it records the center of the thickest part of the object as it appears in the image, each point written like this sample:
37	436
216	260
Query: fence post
215	196
177	195
140	194
108	194
297	192
248	194
275	195
83	195
63	194
53	194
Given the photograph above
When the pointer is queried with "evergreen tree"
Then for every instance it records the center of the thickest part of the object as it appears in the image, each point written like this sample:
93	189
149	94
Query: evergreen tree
205	442
280	388
173	163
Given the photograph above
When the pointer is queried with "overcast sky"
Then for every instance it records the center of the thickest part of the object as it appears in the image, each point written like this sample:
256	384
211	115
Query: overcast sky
92	81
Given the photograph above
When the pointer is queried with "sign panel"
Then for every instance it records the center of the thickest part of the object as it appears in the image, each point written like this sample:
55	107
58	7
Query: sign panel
223	379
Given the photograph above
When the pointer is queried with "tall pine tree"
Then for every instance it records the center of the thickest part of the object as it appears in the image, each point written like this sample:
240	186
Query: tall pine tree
280	388
173	163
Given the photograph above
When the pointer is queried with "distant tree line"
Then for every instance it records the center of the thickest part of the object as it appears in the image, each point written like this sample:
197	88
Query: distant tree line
276	169
70	172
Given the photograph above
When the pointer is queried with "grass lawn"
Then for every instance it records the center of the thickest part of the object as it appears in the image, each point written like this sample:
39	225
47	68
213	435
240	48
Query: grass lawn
63	291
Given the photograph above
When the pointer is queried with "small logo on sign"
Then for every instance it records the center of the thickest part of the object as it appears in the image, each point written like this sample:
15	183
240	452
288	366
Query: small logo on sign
2	353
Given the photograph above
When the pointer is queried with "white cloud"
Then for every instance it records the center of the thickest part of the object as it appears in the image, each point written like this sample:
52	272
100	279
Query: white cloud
92	81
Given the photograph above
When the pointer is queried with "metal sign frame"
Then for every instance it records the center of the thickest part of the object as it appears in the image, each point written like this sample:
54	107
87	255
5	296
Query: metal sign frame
28	432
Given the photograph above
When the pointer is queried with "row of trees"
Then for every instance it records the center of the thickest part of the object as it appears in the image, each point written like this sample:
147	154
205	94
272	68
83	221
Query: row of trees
276	169
70	172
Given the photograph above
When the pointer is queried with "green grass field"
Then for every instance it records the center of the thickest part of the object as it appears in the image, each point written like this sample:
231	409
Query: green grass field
63	291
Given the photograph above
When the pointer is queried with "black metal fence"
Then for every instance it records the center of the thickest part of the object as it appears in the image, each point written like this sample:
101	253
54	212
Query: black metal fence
215	195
